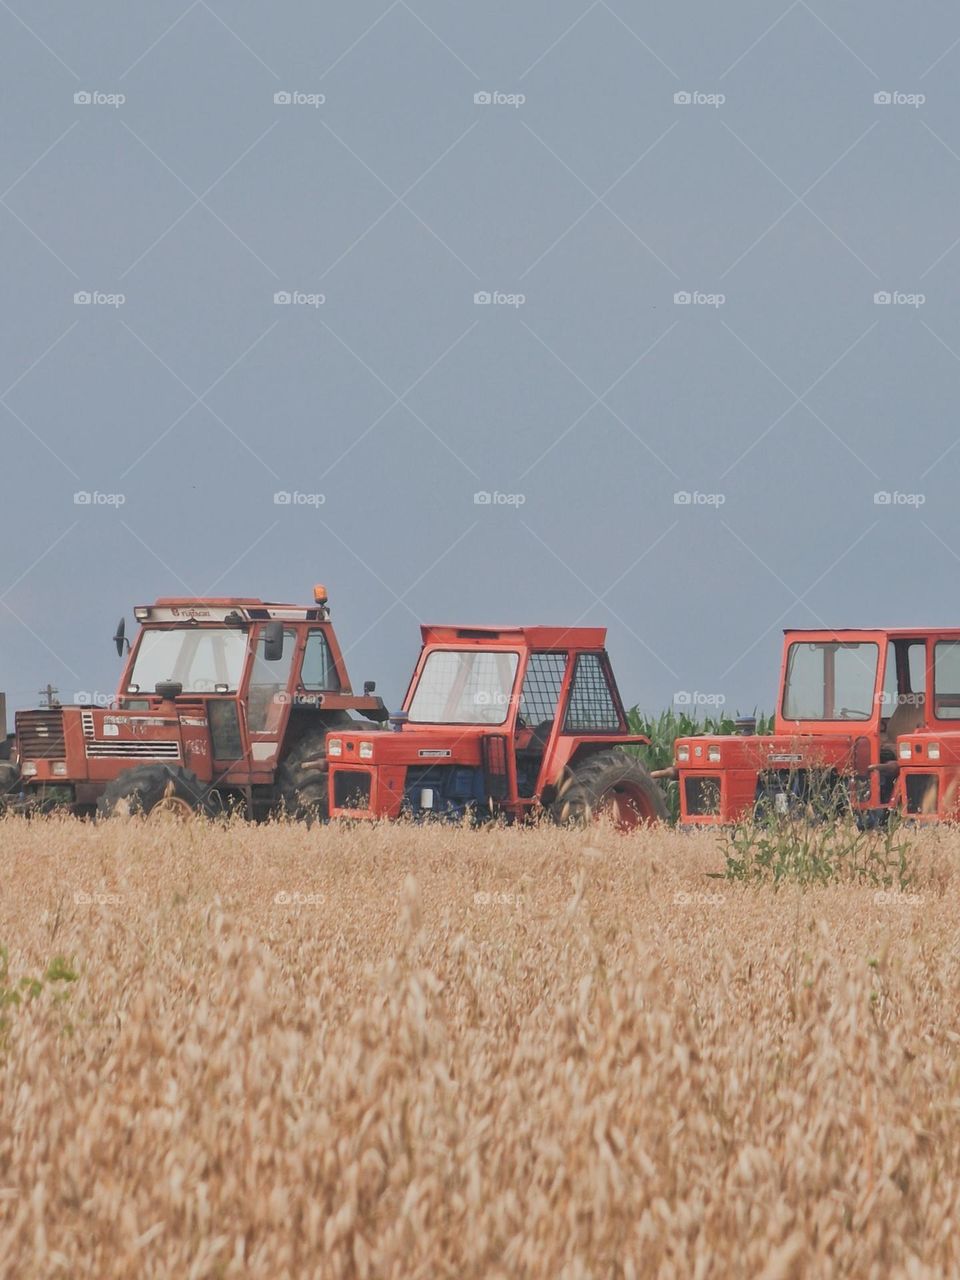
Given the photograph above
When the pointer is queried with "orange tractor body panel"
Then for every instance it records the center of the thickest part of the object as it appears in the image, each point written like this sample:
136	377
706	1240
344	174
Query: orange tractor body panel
817	736
492	721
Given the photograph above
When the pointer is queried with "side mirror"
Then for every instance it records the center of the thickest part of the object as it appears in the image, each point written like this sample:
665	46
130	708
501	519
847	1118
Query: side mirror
120	639
369	687
273	642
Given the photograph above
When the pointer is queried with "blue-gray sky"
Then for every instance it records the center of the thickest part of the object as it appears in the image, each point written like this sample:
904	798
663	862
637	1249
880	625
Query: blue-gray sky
815	165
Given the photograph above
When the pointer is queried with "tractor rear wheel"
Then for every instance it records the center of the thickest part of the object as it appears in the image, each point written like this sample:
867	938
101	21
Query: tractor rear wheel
157	790
302	790
9	778
609	784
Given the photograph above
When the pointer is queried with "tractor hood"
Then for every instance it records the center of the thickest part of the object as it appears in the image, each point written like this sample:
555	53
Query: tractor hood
846	752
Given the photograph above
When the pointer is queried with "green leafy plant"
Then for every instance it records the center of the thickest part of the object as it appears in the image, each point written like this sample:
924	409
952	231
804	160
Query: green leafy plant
15	992
798	851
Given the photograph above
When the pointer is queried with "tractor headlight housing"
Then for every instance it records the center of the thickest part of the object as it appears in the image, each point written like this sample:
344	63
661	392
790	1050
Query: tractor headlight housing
713	755
59	768
29	769
366	750
906	751
683	753
334	747
933	751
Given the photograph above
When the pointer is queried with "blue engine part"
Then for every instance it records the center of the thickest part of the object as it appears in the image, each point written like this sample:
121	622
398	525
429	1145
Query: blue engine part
456	789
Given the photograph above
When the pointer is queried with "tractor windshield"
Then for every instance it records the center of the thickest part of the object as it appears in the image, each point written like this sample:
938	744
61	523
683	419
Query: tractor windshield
203	660
459	686
830	680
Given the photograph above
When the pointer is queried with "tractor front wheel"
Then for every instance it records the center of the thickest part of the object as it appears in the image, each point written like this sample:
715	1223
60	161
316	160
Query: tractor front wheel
302	777
156	791
609	784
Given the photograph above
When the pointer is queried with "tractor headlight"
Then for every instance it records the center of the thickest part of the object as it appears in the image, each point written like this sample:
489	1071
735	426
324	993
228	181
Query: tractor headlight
905	751
334	747
366	750
933	751
683	753
60	768
141	612
713	754
29	770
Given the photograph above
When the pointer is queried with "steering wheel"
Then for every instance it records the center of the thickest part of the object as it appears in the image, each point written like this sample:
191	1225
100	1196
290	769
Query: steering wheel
850	713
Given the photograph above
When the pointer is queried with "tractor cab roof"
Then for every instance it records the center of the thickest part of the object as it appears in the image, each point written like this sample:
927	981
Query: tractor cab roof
560	638
895	633
233	608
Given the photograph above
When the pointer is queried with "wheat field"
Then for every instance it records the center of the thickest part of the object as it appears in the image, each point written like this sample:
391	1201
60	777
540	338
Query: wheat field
432	1052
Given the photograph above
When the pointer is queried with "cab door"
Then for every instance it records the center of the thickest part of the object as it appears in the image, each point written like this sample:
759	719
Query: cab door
265	706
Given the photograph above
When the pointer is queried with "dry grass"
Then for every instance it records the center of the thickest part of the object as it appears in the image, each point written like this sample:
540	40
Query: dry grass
603	1065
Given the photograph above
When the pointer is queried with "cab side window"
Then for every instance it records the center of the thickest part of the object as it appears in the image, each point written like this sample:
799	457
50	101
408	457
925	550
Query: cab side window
318	674
268	686
592	707
541	688
946	680
905	677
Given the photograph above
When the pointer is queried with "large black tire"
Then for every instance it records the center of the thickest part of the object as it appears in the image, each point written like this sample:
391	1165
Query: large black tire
9	779
612	784
303	791
150	788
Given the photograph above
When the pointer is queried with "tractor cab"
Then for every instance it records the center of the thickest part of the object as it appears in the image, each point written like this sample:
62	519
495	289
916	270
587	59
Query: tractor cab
845	698
221	700
500	721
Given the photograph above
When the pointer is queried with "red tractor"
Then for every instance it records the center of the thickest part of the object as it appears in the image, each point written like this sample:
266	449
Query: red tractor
507	721
845	700
222	703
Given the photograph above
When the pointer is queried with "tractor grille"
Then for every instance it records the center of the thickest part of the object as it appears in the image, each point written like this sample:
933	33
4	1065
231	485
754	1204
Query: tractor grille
40	735
133	750
351	789
702	796
921	793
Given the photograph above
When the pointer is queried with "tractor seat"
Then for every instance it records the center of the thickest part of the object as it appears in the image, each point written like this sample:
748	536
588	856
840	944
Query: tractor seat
537	742
908	717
